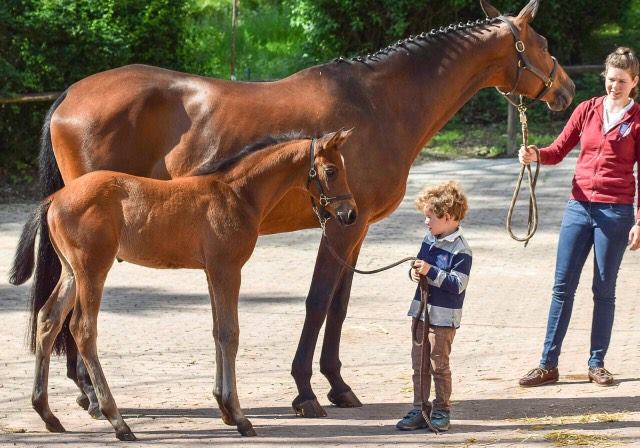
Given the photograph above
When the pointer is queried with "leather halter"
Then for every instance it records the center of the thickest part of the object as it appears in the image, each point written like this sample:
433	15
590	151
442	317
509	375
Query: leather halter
324	200
524	64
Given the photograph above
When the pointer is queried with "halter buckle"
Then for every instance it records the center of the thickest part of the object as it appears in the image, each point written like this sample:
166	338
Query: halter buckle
519	46
312	172
324	200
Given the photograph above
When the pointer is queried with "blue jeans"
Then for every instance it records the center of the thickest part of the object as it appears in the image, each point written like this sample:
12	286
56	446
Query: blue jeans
585	224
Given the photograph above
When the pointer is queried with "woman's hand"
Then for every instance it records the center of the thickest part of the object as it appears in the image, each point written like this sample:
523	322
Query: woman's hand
634	237
420	267
528	155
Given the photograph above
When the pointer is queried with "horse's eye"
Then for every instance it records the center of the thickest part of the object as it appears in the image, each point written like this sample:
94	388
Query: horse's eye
330	172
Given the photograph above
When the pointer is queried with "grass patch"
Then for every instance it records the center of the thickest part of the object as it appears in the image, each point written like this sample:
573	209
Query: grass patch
567	438
459	140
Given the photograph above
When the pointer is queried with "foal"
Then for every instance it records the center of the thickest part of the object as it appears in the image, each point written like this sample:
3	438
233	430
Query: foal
208	221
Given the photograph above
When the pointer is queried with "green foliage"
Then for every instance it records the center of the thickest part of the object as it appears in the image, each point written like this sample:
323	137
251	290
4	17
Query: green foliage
268	46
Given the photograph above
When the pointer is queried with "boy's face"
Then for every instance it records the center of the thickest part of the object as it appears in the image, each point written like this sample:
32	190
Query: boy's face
443	225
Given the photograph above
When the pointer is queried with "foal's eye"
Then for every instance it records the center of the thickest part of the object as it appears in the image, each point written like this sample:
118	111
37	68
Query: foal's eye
330	172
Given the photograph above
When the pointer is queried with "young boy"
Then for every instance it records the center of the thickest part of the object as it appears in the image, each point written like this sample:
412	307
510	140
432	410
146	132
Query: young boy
445	259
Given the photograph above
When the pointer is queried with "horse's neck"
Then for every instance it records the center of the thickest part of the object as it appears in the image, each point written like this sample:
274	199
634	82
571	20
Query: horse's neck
262	179
421	85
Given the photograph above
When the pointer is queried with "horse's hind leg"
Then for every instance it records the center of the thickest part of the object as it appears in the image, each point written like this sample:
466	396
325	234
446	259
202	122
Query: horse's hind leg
84	331
50	319
217	388
77	372
227	287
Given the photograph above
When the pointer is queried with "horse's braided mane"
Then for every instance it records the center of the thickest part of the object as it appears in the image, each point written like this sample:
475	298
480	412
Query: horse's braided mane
213	166
436	32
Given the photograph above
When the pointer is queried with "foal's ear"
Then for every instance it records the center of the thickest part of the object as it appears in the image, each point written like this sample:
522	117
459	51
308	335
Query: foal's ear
335	139
489	10
528	13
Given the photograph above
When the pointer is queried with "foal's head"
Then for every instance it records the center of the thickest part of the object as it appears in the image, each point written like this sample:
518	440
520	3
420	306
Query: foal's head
535	73
329	187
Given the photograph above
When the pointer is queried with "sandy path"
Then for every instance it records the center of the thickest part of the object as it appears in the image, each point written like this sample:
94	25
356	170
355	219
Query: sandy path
157	352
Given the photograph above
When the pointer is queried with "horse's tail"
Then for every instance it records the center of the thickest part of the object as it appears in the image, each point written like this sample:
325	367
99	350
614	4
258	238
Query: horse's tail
23	261
47	268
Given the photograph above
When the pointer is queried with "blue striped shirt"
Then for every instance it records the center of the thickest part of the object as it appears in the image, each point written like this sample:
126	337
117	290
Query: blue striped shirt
450	260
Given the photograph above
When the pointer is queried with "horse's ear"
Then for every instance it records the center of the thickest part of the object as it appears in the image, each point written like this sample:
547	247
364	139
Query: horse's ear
489	10
335	139
529	12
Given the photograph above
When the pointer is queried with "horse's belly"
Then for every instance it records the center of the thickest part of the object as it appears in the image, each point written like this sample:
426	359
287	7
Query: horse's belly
151	256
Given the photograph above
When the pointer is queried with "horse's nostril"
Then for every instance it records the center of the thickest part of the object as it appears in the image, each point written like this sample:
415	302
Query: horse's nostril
351	216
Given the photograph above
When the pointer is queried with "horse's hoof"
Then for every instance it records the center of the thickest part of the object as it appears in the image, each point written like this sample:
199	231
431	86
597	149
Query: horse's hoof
308	408
94	412
54	425
126	436
246	429
83	401
346	399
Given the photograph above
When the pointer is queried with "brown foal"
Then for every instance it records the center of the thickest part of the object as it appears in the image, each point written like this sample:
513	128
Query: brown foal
210	222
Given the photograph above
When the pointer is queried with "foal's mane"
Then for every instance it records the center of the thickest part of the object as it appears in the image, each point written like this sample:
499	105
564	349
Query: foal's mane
214	166
432	37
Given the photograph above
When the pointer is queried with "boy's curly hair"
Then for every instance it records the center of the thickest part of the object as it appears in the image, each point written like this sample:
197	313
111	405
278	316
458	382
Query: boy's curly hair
444	198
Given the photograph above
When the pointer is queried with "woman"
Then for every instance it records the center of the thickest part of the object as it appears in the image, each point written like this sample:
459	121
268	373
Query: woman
599	214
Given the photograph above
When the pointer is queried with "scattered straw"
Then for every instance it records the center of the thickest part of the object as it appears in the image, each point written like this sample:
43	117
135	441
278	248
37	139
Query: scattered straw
603	417
567	438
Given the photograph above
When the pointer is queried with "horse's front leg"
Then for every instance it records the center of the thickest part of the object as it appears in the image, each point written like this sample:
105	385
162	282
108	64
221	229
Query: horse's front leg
326	274
340	394
226	286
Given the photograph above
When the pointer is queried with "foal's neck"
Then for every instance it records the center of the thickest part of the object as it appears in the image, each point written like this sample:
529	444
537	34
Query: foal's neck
261	179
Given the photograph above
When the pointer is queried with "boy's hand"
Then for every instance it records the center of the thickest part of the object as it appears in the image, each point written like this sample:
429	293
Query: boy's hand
419	268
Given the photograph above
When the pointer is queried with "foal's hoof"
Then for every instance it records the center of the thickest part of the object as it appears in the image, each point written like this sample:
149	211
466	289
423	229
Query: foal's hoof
126	436
346	399
54	425
94	412
308	408
245	428
83	401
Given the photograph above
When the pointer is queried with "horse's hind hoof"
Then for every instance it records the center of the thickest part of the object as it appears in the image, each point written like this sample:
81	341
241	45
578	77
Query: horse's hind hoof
246	429
346	399
308	408
54	425
126	436
94	412
83	401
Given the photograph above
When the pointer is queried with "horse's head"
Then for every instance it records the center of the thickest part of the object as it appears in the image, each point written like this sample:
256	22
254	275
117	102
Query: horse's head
533	72
328	179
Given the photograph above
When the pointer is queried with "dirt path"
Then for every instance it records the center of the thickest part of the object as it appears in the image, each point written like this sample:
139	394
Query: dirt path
157	352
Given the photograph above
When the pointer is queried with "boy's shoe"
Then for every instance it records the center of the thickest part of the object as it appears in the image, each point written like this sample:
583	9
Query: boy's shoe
600	376
412	421
440	420
539	377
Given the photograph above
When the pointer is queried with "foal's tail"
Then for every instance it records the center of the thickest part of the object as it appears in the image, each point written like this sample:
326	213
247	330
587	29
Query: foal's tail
23	261
47	264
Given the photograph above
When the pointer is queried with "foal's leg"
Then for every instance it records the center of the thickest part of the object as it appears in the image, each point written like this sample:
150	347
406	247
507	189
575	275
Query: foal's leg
325	278
217	388
84	329
340	394
226	284
50	320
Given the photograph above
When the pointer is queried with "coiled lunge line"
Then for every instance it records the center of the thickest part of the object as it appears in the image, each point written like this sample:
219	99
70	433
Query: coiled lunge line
532	224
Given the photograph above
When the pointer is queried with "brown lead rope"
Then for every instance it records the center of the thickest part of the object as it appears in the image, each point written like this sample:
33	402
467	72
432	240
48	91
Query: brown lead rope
425	353
532	225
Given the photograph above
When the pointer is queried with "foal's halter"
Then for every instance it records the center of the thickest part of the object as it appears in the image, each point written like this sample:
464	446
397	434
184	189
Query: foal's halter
525	64
323	201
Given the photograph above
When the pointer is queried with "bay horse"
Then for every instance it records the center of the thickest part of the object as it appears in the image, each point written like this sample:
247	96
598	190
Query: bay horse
210	222
162	124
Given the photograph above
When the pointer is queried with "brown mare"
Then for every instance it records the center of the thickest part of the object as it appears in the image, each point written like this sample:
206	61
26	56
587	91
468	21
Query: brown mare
158	123
104	214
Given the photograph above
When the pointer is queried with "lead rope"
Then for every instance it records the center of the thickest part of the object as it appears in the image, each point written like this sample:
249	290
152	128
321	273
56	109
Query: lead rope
425	354
532	224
